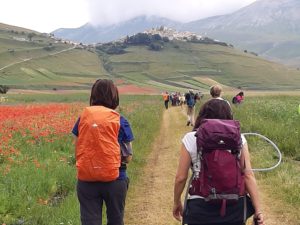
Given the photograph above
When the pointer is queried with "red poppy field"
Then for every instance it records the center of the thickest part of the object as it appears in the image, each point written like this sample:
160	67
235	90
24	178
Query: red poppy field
37	163
32	124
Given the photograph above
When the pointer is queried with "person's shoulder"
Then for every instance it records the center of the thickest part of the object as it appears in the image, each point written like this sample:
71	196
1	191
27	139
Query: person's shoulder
123	120
244	140
190	135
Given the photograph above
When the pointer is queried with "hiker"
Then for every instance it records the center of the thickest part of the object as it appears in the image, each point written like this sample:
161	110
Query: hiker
166	99
190	102
101	135
198	210
216	93
181	100
238	99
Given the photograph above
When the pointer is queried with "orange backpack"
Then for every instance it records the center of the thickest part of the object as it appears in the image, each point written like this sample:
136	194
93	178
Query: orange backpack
165	97
97	147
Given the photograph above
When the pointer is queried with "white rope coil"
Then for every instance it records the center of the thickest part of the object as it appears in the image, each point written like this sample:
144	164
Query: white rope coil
276	148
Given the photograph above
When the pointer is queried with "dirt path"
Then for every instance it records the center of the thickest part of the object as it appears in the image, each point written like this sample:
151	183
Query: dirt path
149	202
28	59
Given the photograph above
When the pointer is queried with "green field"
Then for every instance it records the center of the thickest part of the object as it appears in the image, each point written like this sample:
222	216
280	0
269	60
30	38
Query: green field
277	118
38	176
37	185
178	66
37	182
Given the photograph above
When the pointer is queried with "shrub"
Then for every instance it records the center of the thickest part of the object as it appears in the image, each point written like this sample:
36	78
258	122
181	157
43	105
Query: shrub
112	48
139	39
3	89
156	37
49	47
155	46
166	39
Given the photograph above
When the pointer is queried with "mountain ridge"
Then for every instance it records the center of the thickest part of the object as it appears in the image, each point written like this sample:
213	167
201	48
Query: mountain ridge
270	28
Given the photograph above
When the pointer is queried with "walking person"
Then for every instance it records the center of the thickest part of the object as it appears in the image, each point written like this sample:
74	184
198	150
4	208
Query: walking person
166	98
199	209
181	100
238	99
101	178
216	93
190	102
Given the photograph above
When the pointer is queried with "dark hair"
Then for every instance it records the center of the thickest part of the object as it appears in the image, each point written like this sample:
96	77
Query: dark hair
104	93
214	109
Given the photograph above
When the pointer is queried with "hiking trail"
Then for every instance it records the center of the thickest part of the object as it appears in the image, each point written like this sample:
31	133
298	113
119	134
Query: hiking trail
150	200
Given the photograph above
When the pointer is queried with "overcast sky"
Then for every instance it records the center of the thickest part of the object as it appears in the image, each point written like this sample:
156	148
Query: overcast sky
48	15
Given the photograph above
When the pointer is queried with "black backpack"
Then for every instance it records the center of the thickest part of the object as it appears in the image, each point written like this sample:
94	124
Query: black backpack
234	100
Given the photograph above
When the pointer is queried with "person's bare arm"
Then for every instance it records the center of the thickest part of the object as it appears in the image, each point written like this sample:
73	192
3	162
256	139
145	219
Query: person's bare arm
128	158
180	180
251	185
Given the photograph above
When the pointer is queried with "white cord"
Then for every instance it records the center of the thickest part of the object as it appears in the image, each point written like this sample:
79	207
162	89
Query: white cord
276	148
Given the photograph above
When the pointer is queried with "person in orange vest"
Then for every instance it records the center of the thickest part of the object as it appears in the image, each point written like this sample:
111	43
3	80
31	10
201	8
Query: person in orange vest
166	99
101	137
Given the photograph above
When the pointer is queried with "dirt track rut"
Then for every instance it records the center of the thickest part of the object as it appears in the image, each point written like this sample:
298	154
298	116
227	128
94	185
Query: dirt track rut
150	201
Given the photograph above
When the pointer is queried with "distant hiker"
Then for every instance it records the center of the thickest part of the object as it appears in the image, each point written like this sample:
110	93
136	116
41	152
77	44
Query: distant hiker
222	175
181	100
190	102
238	99
216	91
166	99
101	135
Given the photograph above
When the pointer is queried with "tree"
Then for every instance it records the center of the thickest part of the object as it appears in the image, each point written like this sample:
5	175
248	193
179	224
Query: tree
155	46
156	37
30	36
3	89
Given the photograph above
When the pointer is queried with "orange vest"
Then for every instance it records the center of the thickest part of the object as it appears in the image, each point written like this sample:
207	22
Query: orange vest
97	147
165	97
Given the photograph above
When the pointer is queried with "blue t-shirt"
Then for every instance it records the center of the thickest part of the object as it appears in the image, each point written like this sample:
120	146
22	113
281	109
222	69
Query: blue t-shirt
125	136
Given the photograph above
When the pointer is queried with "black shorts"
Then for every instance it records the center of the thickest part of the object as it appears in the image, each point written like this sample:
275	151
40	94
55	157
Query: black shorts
200	212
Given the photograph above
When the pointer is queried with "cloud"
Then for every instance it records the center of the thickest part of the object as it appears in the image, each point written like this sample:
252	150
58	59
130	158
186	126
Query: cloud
44	16
103	12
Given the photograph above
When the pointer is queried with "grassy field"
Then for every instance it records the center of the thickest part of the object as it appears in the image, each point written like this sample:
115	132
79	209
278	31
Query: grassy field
45	63
28	64
37	183
277	118
186	62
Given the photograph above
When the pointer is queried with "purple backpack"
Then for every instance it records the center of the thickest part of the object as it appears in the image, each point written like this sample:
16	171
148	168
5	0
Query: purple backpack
218	176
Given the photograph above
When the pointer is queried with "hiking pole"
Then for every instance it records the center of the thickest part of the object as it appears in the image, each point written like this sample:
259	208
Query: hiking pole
276	148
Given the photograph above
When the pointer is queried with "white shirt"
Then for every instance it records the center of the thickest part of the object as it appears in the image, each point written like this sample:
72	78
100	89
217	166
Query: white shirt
189	141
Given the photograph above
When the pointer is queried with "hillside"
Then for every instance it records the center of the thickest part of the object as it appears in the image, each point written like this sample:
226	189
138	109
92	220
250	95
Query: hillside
188	64
29	59
161	63
270	28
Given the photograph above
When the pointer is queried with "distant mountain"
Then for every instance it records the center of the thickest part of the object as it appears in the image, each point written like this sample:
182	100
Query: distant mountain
270	28
91	34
